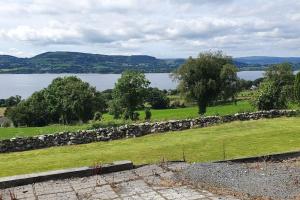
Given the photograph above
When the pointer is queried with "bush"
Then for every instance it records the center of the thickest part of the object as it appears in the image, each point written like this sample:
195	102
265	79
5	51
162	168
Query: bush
177	104
148	114
135	116
6	123
65	100
97	116
115	109
270	97
157	98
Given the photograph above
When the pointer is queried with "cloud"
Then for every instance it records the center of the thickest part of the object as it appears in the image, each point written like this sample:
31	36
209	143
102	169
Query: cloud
171	28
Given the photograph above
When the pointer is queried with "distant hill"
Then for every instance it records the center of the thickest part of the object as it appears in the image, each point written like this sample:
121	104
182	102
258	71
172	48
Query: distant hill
74	62
265	60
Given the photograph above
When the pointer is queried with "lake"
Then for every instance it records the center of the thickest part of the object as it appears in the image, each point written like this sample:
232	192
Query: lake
25	84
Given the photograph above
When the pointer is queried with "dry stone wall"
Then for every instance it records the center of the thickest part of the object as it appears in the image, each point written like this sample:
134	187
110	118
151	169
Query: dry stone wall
129	131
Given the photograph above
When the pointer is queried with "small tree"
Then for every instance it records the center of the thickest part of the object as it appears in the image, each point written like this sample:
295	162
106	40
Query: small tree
148	114
200	80
130	92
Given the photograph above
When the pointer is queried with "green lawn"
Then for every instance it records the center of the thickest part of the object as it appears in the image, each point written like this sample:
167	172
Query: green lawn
6	133
157	115
192	112
241	139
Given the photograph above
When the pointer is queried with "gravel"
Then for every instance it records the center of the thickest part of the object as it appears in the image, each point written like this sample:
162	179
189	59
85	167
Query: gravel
275	180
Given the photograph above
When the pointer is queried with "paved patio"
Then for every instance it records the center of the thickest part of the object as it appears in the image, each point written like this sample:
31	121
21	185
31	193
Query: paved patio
147	182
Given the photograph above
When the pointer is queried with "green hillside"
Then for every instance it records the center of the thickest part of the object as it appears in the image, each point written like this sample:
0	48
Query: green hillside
75	62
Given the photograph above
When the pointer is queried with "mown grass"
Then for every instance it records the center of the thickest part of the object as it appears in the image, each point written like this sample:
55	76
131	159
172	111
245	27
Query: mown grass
6	133
157	115
192	112
241	139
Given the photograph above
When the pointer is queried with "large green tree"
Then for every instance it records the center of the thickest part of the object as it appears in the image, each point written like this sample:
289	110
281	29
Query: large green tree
65	100
130	92
70	98
200	78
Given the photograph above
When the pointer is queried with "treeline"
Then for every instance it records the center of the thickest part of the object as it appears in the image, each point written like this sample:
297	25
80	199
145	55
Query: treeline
207	79
211	75
70	100
11	101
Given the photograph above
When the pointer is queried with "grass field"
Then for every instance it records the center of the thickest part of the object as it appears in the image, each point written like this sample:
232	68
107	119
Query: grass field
6	133
248	138
157	115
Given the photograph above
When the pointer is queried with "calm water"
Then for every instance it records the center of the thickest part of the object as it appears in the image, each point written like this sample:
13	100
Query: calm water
26	84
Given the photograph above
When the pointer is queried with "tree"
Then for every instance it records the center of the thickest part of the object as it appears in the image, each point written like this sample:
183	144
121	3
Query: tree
199	78
65	100
281	74
229	81
11	101
130	92
71	99
157	98
19	114
276	88
32	112
297	87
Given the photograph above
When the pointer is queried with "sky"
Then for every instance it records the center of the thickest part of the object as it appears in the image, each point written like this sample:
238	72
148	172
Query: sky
160	28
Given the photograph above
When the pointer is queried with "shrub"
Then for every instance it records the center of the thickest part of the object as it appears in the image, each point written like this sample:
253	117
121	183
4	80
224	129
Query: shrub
97	116
115	109
177	104
270	97
65	100
6	123
148	114
157	98
135	116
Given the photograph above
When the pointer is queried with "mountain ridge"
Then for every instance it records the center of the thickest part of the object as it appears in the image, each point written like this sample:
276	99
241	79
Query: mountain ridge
78	62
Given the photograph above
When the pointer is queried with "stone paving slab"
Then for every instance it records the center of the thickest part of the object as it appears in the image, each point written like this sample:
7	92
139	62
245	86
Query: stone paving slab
150	182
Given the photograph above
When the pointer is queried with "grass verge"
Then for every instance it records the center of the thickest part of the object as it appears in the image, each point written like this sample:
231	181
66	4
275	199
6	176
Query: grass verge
241	139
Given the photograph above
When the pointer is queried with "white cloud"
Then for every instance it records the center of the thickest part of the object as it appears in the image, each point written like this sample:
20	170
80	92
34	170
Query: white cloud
171	28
